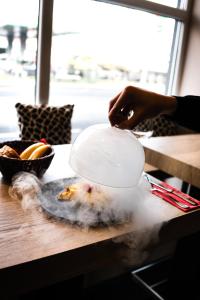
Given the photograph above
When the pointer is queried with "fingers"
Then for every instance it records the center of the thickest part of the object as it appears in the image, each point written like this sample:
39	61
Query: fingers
117	118
112	102
130	123
118	112
142	103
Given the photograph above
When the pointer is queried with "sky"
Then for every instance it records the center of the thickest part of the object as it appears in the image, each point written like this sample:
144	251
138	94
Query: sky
19	12
114	33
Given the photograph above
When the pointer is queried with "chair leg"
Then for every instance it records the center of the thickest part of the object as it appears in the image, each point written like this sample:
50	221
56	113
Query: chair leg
194	192
190	190
185	187
153	278
149	290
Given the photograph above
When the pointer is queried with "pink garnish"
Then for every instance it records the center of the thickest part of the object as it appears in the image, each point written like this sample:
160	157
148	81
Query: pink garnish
43	140
89	190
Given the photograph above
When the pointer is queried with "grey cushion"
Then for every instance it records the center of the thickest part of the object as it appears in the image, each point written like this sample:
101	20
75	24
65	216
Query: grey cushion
161	126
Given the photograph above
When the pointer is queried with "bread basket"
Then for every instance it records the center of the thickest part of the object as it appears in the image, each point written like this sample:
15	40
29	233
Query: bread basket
10	166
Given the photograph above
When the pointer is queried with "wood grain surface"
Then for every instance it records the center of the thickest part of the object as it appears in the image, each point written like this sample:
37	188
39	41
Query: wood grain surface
36	250
178	156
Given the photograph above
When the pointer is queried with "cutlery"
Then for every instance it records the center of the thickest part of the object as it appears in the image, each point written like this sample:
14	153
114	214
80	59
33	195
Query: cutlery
168	190
180	204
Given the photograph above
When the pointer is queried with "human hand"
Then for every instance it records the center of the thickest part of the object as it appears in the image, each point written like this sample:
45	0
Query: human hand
133	105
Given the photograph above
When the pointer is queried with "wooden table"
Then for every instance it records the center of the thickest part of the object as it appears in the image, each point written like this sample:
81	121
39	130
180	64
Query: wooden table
36	251
178	156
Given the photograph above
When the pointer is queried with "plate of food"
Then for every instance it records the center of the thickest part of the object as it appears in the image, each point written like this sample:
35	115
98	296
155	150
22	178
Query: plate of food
77	201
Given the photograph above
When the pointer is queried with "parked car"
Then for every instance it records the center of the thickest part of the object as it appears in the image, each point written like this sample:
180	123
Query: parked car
29	68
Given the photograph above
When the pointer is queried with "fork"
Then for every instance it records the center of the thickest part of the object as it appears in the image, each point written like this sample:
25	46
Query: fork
180	204
171	191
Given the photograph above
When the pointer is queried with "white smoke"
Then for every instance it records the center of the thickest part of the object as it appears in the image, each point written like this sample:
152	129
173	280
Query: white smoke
103	206
110	206
25	188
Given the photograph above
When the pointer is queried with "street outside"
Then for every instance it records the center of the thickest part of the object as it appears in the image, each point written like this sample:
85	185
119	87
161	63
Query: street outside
91	101
90	104
89	65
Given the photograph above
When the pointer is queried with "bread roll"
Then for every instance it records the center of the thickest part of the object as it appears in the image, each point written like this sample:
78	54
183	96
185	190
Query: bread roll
7	151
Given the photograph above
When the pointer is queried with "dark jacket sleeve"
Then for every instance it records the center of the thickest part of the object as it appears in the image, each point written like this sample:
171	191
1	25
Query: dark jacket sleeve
188	112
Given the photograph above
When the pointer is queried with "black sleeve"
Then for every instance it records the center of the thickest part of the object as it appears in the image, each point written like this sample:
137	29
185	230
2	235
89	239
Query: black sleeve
188	112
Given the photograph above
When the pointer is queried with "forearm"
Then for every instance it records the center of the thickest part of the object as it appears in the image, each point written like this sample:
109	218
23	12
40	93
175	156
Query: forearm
169	104
183	110
155	103
146	104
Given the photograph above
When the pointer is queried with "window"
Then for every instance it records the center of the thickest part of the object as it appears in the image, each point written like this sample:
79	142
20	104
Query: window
98	47
172	3
18	46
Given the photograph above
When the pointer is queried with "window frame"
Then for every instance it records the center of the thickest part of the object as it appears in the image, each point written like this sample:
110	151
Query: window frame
45	23
151	7
181	15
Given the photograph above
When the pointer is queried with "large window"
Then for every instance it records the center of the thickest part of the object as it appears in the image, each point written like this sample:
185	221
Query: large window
172	3
100	48
96	47
18	46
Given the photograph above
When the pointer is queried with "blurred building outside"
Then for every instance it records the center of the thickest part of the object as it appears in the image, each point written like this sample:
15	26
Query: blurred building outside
82	73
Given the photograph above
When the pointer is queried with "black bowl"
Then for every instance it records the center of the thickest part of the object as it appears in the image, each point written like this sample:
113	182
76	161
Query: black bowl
10	166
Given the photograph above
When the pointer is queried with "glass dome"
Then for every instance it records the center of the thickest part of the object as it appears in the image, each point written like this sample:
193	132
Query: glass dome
108	156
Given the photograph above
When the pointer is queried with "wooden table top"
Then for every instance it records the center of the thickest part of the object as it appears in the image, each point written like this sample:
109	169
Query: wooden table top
176	155
32	244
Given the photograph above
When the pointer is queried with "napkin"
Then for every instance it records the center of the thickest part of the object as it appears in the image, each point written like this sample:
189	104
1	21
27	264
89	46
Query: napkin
168	195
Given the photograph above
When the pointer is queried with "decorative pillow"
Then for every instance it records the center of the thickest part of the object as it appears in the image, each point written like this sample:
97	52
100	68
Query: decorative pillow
161	126
42	121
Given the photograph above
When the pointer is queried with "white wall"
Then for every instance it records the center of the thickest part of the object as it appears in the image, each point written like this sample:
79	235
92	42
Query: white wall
190	80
